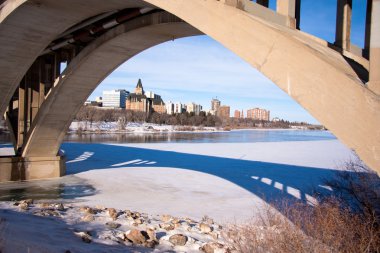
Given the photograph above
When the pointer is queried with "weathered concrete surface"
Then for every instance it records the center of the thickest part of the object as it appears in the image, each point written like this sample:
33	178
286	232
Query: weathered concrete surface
89	68
317	77
27	27
19	168
374	75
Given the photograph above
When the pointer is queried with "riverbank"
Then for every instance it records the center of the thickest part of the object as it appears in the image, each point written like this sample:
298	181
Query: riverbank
26	225
133	127
84	127
229	182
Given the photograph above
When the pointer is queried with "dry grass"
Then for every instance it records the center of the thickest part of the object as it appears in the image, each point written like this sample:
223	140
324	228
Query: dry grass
325	228
334	225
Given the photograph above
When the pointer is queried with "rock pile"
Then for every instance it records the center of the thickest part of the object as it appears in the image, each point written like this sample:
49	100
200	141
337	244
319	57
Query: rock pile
165	232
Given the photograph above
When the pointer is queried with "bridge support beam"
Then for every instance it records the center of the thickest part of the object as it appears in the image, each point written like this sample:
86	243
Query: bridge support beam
374	50
291	9
343	24
17	168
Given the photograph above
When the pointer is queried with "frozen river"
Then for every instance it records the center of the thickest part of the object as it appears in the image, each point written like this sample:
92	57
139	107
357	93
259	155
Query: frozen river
226	175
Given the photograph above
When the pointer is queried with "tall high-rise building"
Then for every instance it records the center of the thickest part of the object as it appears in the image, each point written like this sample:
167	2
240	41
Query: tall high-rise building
114	98
215	104
179	107
223	112
237	114
193	107
169	107
258	114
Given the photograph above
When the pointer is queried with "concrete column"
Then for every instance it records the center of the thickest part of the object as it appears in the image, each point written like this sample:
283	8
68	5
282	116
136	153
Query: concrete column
374	51
43	81
22	124
35	89
367	29
263	2
343	24
298	14
291	9
28	102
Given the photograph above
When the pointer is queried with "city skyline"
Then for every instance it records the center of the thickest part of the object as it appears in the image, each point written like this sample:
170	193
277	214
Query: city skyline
199	68
121	98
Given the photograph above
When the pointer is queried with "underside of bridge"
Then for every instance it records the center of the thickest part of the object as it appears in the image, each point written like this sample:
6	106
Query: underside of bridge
337	83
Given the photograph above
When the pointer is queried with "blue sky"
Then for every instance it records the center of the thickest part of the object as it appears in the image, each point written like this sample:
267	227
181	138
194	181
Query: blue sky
196	69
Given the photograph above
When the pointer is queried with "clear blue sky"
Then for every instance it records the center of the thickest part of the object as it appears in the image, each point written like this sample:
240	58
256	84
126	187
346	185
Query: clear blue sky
196	69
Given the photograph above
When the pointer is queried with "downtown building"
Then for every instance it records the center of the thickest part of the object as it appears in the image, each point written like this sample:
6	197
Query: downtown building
144	102
223	112
174	108
238	114
114	98
215	104
258	114
193	107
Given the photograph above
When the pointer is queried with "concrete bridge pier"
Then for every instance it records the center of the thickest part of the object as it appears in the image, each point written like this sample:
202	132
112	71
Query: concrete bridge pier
20	115
16	168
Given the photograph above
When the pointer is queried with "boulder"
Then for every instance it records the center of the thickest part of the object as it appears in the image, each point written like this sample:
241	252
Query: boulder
23	206
136	236
85	236
212	247
59	207
205	228
208	220
151	234
113	225
167	226
87	209
139	221
178	239
112	213
150	244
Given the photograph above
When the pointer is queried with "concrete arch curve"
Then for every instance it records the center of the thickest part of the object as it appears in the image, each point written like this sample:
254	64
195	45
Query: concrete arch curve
27	28
317	77
89	68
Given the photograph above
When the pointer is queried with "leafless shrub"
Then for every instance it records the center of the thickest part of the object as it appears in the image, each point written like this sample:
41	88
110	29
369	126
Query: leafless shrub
357	186
348	222
323	228
122	123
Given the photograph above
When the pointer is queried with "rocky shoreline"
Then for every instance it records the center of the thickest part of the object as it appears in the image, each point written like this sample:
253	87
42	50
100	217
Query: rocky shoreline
159	233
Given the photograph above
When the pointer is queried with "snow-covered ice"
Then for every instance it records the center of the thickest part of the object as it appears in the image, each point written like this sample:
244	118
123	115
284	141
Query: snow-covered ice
226	181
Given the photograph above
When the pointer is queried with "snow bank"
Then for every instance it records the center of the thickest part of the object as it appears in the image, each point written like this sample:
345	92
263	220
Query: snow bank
131	127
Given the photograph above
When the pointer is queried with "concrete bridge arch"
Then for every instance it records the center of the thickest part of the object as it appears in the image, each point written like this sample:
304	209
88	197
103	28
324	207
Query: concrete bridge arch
319	78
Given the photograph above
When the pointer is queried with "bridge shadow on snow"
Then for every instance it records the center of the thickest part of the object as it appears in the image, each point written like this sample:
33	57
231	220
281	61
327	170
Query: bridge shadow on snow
270	181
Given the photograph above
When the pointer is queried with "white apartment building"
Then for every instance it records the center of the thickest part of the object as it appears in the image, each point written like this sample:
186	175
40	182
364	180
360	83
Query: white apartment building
193	107
170	107
114	98
179	107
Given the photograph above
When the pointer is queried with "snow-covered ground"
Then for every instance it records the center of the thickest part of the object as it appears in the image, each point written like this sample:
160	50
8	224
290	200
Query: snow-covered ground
226	181
132	127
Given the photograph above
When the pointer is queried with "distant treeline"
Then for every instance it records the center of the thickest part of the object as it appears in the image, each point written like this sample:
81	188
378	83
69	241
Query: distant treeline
95	114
